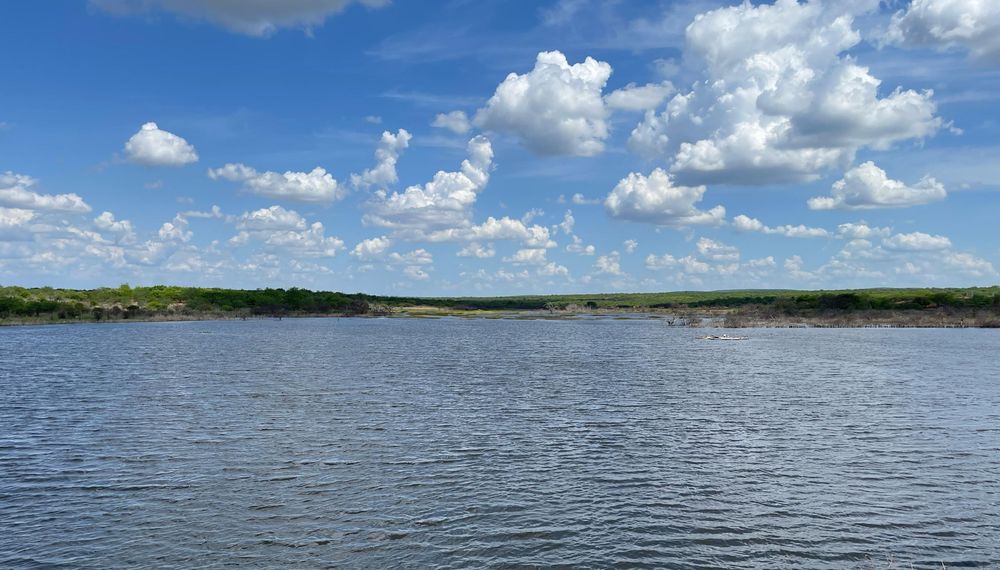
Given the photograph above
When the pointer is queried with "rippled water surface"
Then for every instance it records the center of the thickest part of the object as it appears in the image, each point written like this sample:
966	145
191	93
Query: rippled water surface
479	443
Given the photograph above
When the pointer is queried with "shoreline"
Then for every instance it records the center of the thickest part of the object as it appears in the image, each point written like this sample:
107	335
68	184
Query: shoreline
674	319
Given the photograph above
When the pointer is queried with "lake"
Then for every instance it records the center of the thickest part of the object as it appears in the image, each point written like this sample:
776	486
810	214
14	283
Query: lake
451	443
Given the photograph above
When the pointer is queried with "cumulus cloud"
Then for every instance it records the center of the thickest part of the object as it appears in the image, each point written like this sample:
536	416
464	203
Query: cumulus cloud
445	201
476	249
553	269
496	229
14	217
972	25
579	247
861	230
386	155
687	264
273	218
567	224
630	245
257	18
176	230
283	230
609	264
455	121
152	146
968	264
371	248
416	257
745	223
867	186
581	200
717	251
416	273
634	97
314	186
555	109
917	255
16	191
122	228
528	256
656	200
779	102
713	259
916	241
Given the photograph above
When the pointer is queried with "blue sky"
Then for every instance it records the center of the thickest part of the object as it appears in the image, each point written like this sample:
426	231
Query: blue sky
529	147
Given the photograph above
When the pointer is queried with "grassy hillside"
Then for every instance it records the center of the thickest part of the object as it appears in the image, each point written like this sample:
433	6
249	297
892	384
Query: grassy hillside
19	304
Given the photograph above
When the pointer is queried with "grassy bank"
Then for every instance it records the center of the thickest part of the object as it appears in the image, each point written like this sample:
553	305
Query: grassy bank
968	307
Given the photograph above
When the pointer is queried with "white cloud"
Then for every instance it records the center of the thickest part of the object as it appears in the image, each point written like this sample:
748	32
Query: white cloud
581	200
666	67
867	186
311	242
917	255
16	191
455	121
717	251
568	222
528	256
496	229
969	264
778	101
373	119
214	213
274	218
416	257
609	264
794	266
476	249
314	186
152	146
257	18
687	264
973	25
445	201
916	241
630	245
654	262
712	258
861	230
371	248
634	97
656	200
745	223
122	228
285	230
386	155
176	230
553	269
13	225
555	109
579	247
416	273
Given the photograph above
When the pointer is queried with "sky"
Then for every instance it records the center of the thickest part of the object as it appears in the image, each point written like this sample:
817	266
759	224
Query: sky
495	147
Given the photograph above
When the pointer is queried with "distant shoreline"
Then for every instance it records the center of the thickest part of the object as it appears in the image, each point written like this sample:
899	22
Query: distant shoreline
914	319
973	307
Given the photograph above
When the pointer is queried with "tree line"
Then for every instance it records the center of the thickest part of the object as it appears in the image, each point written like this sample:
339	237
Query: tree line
126	302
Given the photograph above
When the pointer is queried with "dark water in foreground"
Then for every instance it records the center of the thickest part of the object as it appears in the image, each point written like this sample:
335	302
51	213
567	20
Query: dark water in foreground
454	443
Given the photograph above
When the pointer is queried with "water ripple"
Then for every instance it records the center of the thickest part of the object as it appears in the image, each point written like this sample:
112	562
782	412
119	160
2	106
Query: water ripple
490	443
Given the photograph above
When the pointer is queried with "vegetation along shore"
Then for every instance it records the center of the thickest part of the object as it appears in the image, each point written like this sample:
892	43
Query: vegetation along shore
965	307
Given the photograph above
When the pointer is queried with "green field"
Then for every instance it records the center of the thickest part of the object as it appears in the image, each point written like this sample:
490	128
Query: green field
19	304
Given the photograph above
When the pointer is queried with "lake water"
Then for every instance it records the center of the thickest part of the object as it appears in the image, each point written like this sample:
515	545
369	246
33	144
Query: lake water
375	443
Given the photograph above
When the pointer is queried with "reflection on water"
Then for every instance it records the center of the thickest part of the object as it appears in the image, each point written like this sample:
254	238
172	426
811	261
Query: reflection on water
479	443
